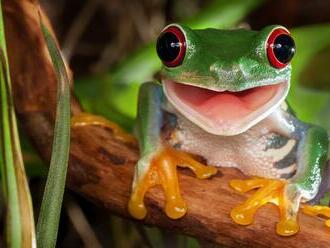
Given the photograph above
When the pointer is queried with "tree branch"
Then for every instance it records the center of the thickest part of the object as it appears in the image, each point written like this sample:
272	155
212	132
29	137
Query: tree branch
101	167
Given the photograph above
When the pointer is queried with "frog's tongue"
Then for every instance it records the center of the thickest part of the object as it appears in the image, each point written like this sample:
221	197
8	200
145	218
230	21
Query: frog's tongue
225	112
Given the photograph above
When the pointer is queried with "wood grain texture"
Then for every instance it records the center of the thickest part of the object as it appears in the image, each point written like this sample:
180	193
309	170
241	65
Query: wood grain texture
101	167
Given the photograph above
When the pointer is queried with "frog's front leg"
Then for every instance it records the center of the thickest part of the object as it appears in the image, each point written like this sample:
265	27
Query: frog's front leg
158	162
311	160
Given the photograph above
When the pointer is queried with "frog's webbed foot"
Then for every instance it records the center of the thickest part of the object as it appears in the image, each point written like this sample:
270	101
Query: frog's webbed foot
86	119
273	191
318	210
162	171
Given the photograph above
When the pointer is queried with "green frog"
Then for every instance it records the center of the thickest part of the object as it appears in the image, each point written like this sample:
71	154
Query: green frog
221	97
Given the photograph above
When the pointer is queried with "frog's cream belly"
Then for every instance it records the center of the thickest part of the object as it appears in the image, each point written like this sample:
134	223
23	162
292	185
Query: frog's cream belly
257	152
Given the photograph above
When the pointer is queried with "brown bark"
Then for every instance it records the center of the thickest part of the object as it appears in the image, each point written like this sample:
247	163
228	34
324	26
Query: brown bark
101	167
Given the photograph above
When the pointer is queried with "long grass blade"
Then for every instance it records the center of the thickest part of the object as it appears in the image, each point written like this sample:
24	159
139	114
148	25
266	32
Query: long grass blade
50	211
20	230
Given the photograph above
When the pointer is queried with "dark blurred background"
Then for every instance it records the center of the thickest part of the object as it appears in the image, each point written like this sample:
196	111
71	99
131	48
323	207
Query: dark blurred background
96	34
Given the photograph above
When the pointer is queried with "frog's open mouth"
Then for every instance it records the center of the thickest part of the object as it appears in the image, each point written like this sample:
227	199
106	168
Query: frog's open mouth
225	112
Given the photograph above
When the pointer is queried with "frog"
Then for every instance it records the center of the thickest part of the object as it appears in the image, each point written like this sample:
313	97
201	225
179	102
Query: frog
221	96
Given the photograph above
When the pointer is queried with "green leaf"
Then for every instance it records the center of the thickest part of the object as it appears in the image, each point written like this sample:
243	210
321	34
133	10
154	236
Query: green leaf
50	211
19	212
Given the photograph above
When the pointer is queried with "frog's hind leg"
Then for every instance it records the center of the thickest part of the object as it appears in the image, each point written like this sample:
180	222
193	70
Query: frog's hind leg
86	119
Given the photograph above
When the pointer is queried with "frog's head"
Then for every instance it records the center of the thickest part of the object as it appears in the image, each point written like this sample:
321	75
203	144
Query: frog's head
225	81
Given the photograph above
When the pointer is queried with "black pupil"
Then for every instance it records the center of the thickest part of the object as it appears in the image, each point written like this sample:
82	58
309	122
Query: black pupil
284	48
168	46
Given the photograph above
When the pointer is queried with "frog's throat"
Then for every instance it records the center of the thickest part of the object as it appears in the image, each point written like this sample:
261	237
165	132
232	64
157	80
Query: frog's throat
224	112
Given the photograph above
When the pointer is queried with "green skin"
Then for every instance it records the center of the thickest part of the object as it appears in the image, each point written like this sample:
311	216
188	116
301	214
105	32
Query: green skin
215	59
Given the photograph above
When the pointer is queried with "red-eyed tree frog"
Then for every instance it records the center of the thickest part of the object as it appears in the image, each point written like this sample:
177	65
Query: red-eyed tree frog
222	97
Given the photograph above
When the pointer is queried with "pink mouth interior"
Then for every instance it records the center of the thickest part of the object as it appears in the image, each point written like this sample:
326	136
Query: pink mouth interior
222	106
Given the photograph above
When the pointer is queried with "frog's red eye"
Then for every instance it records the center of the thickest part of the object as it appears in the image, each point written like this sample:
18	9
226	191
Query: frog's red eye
280	48
171	46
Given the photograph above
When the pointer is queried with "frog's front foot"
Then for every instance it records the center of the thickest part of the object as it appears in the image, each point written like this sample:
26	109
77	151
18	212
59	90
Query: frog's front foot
318	210
278	192
162	171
